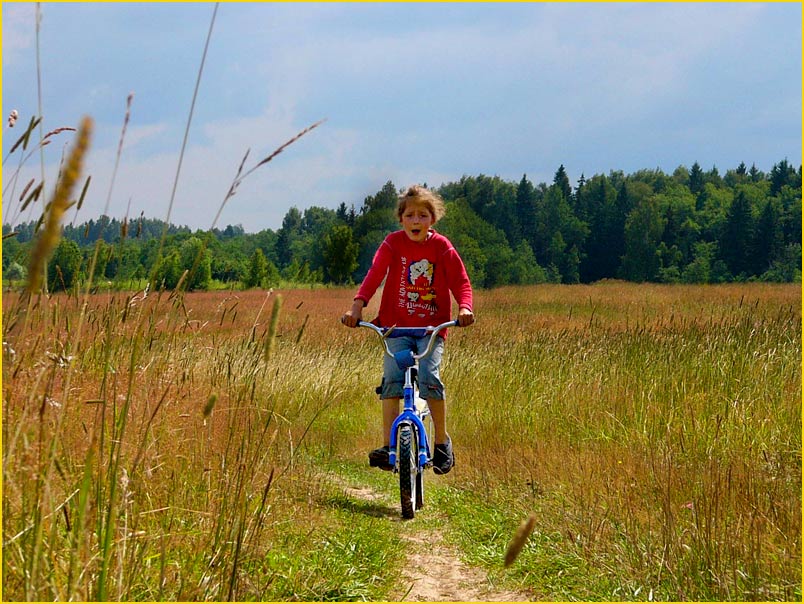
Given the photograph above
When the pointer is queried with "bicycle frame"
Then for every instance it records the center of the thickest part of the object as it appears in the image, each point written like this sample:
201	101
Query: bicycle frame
407	361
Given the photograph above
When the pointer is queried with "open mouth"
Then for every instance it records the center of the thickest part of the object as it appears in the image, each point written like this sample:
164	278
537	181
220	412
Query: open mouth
415	231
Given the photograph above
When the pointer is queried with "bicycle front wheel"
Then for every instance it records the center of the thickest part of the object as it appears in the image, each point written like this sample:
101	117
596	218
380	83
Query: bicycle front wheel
420	489
408	470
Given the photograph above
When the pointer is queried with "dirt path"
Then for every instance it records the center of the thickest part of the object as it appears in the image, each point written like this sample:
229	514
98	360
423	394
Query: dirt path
435	572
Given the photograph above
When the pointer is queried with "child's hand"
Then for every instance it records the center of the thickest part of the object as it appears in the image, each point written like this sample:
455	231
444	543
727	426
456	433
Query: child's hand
354	315
349	320
465	317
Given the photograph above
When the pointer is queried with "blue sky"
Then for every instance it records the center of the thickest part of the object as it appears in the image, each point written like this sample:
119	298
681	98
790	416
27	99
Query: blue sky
412	92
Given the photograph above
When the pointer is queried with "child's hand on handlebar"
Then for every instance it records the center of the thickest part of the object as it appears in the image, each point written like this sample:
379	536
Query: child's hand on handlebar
465	317
354	315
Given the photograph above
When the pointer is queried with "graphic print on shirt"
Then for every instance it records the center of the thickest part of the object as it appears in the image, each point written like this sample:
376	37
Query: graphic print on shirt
419	292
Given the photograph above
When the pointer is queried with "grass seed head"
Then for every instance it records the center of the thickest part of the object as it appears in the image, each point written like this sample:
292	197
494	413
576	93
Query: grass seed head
270	342
51	232
520	537
213	398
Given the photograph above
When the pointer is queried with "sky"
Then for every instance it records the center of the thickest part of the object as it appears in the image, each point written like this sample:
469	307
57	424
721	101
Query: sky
411	93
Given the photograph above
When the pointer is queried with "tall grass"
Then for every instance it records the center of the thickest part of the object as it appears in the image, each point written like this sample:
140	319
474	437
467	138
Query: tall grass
171	446
165	449
100	484
654	431
664	421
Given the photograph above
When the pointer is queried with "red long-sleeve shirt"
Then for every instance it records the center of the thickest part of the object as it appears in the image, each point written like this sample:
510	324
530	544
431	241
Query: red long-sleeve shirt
418	280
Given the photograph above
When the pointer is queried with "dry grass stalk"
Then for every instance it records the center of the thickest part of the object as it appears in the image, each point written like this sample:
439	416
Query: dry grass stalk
186	136
83	193
24	138
213	398
28	186
51	232
520	537
33	196
126	120
270	342
58	130
240	176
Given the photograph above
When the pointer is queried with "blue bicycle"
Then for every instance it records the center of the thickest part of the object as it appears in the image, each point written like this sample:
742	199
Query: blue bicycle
409	451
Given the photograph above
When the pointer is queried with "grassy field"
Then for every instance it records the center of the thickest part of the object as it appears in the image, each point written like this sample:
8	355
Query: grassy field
195	447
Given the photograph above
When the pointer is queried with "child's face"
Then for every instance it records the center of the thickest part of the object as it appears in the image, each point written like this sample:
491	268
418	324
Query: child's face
416	221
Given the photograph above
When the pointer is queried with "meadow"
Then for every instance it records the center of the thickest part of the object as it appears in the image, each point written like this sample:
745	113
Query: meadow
206	446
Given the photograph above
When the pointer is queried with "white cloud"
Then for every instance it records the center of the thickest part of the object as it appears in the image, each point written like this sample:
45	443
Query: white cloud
137	135
418	92
19	30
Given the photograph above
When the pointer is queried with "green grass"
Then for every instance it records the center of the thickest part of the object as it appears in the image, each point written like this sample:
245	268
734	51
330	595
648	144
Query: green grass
176	446
672	445
152	451
552	568
349	558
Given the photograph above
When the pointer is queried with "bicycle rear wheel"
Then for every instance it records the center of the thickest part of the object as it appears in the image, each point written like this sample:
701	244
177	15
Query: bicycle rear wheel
408	470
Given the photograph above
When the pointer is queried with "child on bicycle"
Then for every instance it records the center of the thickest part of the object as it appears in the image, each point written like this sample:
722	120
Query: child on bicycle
421	268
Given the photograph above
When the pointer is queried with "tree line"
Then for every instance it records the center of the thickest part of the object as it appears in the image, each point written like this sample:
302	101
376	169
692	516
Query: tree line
691	226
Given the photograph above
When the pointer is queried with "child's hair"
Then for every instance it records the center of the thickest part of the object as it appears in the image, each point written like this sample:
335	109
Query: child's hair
420	195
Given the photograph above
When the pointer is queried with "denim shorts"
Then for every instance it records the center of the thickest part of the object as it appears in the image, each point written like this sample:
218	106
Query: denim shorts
430	386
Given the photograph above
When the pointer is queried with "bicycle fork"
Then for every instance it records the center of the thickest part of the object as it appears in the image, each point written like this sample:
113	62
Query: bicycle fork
409	415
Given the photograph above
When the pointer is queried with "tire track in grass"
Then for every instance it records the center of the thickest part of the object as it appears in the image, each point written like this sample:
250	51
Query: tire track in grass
434	571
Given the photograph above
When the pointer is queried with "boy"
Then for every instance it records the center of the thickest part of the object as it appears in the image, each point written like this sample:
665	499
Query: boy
420	268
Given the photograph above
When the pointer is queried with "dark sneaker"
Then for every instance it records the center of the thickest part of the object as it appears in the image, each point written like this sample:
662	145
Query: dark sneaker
443	457
378	458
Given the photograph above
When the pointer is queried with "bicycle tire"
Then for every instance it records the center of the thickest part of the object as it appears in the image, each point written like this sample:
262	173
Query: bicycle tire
419	489
424	412
408	469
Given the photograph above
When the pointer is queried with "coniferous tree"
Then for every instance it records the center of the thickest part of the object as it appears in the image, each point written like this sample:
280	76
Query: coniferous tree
385	199
606	223
737	239
582	211
561	180
643	233
526	209
713	177
744	225
781	174
288	234
768	244
346	215
696	182
557	217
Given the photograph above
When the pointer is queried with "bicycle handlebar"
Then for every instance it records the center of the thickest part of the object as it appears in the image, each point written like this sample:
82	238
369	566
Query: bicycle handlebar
385	332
